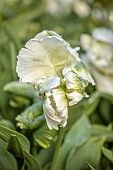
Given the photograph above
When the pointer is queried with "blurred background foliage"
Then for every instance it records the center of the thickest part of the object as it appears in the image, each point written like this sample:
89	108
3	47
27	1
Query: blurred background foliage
87	141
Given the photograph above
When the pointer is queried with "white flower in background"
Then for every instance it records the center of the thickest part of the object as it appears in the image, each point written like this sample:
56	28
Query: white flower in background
56	7
99	57
81	8
55	69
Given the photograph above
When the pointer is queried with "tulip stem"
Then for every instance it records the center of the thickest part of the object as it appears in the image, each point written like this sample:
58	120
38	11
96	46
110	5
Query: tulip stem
59	141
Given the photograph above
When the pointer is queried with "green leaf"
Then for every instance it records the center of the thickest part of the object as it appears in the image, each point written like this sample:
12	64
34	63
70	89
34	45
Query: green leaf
108	153
19	101
7	124
86	153
21	18
8	31
27	15
107	96
75	137
45	155
105	111
102	131
15	148
7	161
91	167
47	166
31	162
31	117
24	159
20	89
6	134
43	136
85	107
13	54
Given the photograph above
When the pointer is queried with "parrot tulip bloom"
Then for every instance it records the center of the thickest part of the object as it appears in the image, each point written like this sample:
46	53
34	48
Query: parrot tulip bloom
55	69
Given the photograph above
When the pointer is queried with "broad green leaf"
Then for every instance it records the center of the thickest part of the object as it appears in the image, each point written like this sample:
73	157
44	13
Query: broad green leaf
88	152
7	124
7	160
107	96
91	104
45	155
24	159
43	136
15	148
102	131
76	136
105	111
31	162
31	117
20	89
85	107
6	133
108	153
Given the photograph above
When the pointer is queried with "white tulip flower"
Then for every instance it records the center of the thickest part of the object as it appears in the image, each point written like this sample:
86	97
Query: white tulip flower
98	56
55	69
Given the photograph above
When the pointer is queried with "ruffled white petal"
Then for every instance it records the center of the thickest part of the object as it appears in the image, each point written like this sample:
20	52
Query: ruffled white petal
46	33
42	58
66	70
60	100
73	51
64	123
74	97
55	109
52	120
59	53
32	66
82	71
48	84
73	81
78	68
